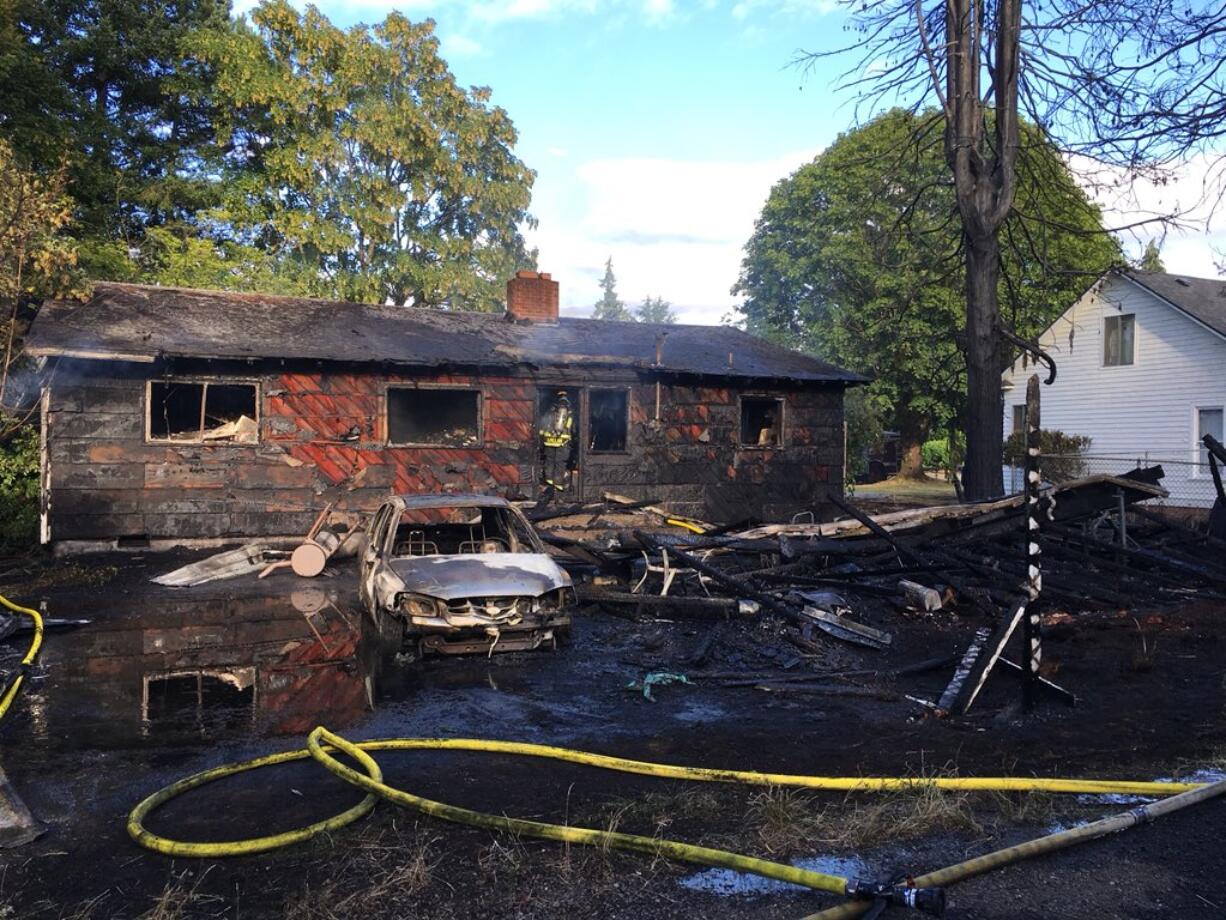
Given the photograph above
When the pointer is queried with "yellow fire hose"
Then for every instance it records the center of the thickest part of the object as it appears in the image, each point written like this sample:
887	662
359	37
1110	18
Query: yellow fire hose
14	686
321	745
1039	846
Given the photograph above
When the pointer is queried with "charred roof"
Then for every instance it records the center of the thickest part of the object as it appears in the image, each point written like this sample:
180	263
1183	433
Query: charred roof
133	322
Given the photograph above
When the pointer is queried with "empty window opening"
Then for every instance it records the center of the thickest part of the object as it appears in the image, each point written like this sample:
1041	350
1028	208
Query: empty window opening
196	694
1019	417
607	420
761	421
1208	421
202	411
1119	336
447	418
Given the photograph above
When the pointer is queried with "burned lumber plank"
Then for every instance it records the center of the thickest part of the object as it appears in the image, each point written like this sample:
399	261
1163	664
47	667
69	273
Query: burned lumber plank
583	552
799	581
695	607
906	552
1067	697
953	691
1151	557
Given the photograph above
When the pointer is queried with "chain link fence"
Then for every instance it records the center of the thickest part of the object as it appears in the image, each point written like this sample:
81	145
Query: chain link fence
1189	483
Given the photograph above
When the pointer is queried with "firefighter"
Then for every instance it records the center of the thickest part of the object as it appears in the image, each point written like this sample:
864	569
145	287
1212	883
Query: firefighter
556	432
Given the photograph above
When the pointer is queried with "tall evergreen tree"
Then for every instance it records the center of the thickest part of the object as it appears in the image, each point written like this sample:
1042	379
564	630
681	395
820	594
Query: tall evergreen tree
1151	258
112	87
610	306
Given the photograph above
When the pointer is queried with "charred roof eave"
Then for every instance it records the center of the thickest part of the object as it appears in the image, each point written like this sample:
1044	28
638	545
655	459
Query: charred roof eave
124	322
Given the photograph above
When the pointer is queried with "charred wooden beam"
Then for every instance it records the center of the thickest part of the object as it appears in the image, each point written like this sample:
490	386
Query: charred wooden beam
911	555
697	607
1168	560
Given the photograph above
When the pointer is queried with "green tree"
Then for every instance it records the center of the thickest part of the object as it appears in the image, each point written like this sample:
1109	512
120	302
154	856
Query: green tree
1151	258
37	260
355	156
655	310
610	306
111	86
857	257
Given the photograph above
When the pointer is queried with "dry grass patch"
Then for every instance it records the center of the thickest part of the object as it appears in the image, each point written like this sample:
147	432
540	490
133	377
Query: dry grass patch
655	812
179	899
379	875
786	820
1031	807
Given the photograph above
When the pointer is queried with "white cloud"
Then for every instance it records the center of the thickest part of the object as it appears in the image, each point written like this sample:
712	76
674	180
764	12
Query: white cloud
460	46
674	228
557	151
658	11
1191	193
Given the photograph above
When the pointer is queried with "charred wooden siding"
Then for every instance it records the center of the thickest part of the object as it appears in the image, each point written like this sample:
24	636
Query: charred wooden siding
322	435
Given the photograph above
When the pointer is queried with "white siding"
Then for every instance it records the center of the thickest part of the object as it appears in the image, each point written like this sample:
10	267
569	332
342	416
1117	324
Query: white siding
1144	411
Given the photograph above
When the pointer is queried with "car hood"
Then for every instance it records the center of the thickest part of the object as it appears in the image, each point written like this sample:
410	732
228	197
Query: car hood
480	575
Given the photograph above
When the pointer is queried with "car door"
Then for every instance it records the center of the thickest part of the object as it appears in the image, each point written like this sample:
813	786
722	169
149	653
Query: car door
378	545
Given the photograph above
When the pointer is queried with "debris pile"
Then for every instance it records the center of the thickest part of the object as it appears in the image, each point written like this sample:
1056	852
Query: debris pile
807	600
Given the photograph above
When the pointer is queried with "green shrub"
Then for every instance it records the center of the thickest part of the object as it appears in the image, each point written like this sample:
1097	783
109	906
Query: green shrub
19	468
935	454
1062	454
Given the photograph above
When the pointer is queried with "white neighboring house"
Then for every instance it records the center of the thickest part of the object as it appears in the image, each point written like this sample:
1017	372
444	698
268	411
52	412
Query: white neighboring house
1141	370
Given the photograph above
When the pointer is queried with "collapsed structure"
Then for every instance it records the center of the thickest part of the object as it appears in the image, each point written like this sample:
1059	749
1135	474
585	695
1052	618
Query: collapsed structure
177	416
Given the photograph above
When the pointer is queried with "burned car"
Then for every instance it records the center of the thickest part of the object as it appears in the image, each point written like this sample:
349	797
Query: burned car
463	574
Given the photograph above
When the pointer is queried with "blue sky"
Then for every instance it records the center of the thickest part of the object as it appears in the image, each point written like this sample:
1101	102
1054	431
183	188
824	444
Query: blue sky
657	128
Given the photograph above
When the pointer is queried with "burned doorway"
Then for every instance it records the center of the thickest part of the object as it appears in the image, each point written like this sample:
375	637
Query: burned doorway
559	441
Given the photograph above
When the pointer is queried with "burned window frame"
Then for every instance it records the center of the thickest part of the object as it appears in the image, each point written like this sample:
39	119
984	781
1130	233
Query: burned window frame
203	382
781	401
587	418
433	387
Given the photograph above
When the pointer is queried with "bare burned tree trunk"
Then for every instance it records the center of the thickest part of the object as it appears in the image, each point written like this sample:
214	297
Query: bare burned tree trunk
981	477
983	164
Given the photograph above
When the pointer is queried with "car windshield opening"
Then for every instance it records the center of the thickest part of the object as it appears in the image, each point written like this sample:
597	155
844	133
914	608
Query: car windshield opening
459	531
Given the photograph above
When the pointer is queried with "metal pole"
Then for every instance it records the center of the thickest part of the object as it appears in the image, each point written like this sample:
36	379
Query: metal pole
1034	575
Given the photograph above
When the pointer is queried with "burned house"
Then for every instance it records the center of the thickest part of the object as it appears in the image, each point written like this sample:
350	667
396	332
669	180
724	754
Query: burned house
183	416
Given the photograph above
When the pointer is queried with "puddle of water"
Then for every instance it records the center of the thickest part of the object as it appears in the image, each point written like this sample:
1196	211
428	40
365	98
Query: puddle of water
695	713
176	668
1113	798
728	882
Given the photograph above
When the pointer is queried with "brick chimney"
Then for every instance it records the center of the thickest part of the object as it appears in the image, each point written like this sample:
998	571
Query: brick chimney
532	296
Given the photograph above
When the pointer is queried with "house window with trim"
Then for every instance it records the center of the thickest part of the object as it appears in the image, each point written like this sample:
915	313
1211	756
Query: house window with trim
1019	417
1119	338
434	417
608	419
1208	421
761	421
197	411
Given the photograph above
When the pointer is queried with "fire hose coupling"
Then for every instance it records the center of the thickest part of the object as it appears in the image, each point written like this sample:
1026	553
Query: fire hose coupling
925	900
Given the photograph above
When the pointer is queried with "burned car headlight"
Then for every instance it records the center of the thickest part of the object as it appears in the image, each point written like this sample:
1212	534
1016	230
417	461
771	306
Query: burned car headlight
418	605
556	600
